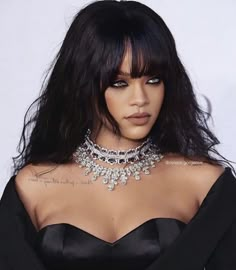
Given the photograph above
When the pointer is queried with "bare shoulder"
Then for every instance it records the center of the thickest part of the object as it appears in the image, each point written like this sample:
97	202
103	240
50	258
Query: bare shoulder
204	177
28	187
197	173
23	181
30	173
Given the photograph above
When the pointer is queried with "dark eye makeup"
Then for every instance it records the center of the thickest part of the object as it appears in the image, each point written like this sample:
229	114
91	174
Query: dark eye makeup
122	83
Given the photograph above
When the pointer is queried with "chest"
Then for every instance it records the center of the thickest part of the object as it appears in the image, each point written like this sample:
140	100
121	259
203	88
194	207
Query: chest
110	215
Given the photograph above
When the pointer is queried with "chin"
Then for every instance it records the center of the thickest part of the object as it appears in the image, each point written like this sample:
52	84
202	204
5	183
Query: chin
137	133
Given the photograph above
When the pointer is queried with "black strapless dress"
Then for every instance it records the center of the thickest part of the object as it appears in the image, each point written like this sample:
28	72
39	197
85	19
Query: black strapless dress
208	241
64	246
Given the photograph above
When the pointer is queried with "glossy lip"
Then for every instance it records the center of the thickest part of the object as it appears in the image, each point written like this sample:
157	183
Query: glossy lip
139	121
139	115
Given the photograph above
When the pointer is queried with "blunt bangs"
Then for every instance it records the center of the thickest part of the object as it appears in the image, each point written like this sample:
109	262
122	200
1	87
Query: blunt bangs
142	36
72	98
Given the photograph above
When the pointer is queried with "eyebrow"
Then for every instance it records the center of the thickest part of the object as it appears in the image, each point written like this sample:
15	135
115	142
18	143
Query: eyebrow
123	73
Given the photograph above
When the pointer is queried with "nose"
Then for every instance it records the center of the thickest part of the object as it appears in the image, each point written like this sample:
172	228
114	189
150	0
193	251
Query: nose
139	96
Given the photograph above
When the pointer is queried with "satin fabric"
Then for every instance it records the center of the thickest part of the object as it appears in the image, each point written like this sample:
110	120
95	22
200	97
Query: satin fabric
66	247
207	242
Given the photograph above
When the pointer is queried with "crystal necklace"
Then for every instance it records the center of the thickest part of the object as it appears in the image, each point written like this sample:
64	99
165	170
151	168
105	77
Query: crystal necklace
141	159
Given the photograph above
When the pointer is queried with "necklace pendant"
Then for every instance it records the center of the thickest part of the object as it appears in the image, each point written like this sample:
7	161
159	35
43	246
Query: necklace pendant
140	159
94	177
146	171
87	171
123	182
111	187
105	180
136	176
123	179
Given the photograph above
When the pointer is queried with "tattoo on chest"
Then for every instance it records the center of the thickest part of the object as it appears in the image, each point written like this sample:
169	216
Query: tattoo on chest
57	181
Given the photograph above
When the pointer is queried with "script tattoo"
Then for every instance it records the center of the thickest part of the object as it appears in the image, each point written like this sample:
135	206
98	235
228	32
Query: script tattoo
48	181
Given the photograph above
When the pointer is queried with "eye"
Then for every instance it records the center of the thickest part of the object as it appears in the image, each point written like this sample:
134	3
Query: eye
119	84
154	80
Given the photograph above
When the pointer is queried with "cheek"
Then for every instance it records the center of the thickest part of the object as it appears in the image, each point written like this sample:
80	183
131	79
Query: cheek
113	104
157	99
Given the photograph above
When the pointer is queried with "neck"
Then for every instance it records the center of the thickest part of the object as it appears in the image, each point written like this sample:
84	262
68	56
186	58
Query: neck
107	139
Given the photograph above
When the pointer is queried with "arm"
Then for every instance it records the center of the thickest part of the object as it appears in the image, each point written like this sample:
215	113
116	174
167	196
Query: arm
4	265
16	233
210	238
224	255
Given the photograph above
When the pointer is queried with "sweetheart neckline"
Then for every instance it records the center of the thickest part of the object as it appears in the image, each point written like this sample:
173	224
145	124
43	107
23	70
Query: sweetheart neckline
46	227
211	190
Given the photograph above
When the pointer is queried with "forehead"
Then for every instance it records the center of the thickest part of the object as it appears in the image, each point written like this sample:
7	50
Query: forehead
133	59
126	63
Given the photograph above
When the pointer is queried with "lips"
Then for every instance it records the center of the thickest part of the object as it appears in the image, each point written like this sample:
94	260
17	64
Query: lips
139	119
139	115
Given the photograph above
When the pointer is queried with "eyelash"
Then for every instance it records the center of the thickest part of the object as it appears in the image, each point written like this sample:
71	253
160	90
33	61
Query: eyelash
123	86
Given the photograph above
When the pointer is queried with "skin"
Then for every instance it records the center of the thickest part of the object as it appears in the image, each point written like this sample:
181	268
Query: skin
172	190
125	97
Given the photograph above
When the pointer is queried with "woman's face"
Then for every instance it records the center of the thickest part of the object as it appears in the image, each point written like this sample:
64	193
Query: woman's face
134	103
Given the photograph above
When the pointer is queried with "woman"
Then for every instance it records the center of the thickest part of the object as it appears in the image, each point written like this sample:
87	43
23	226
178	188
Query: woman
118	168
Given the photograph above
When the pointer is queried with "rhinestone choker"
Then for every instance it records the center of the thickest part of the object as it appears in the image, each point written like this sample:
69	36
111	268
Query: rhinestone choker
115	156
141	159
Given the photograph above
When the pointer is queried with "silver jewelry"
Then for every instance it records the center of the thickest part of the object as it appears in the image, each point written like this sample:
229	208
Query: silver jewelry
141	159
115	156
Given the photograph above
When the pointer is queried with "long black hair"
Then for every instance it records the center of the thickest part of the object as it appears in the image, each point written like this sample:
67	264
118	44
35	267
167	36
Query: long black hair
72	96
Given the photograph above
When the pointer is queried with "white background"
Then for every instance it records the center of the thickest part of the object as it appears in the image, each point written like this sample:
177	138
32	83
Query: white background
31	33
